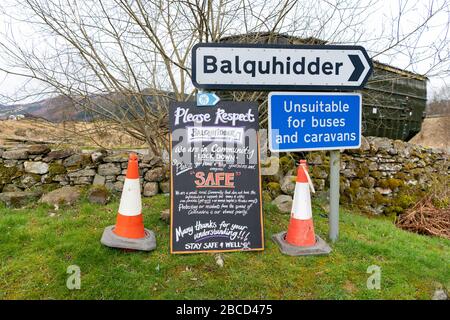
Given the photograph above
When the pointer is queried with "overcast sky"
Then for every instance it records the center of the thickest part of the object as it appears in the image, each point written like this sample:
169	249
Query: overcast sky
381	14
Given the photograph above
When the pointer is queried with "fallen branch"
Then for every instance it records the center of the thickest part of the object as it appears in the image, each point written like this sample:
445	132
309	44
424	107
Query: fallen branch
425	218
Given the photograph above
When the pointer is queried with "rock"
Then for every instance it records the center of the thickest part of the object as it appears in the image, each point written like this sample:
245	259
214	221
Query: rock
315	158
383	191
97	156
60	178
77	161
373	166
365	145
11	188
36	167
29	180
319	184
81	180
98	195
288	184
118	186
440	294
151	160
318	172
283	203
389	167
219	260
403	149
380	144
368	182
270	167
119	157
18	154
46	179
155	175
18	199
349	173
38	149
8	174
99	180
109	169
11	163
82	173
65	195
150	189
109	185
165	215
57	154
164	186
273	188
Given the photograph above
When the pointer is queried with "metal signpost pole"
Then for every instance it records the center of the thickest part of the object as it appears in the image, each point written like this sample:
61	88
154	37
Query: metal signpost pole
333	217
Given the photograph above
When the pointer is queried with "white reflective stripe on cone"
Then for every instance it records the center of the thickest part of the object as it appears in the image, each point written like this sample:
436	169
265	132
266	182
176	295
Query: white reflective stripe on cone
301	206
130	201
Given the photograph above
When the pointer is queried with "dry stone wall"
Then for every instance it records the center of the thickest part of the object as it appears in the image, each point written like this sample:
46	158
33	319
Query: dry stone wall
38	169
381	177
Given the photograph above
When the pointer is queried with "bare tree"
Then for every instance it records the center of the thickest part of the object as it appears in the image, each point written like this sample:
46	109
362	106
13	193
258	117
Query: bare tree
124	60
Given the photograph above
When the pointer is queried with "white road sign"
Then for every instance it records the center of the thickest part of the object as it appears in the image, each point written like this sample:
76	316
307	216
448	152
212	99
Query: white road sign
287	67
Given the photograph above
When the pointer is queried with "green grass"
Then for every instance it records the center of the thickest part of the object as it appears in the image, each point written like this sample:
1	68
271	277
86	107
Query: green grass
36	248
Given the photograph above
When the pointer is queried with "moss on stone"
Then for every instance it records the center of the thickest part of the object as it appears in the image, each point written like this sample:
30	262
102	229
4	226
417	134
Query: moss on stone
390	183
393	210
355	184
409	166
7	174
376	174
266	197
55	169
405	200
379	199
274	189
286	163
362	171
318	171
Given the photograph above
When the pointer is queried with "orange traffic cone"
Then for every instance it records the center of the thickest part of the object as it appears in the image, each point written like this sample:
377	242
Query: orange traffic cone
129	231
130	223
301	228
300	238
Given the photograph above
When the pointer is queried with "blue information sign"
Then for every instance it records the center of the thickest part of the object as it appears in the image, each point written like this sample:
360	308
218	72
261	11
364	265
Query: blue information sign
303	121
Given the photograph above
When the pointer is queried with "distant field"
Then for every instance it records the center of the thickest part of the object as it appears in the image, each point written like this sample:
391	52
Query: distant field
79	134
39	244
435	133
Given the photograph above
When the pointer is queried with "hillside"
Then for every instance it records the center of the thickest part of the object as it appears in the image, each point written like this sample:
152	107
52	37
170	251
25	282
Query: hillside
62	108
435	133
53	109
68	133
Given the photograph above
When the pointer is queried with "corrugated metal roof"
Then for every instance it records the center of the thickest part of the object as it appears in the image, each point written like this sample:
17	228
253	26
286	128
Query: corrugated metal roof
270	37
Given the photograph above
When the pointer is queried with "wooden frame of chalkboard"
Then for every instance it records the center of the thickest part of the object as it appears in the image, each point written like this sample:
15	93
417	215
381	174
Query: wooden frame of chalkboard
249	223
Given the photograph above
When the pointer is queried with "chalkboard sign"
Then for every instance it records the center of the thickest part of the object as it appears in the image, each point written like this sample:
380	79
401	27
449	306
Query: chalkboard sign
215	181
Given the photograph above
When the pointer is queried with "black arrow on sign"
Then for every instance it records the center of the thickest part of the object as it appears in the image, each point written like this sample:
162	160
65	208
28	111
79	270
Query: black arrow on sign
359	67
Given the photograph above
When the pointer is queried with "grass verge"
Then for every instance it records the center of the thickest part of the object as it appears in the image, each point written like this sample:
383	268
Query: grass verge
37	245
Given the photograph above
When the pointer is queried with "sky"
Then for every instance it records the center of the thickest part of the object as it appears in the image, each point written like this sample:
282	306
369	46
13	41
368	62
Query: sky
379	20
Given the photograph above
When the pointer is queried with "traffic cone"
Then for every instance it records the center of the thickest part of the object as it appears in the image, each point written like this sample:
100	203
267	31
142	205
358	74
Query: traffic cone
129	231
300	238
301	228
